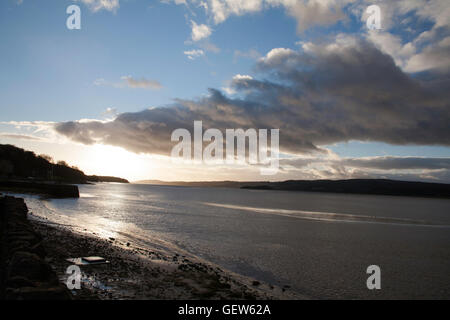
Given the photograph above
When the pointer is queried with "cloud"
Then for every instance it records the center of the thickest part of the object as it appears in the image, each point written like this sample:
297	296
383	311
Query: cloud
98	5
314	13
393	46
421	52
320	95
308	13
250	54
193	54
110	113
130	82
142	83
100	82
386	163
399	163
39	125
277	55
177	2
19	136
433	57
237	78
199	31
341	172
437	11
387	167
208	46
361	91
414	49
428	51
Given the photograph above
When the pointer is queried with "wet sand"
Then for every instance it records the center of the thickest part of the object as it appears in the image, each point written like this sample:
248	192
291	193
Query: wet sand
138	273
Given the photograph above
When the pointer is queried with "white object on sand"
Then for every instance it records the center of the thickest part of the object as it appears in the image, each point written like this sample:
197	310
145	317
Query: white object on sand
83	261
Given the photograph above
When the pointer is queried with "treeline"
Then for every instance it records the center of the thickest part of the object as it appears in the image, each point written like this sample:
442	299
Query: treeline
106	179
17	163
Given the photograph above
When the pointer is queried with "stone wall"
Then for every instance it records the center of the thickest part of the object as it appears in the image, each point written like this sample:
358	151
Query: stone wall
53	190
25	275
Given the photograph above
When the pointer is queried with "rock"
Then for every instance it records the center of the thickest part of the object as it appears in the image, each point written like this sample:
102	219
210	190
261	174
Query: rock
16	246
38	249
24	271
30	266
39	293
256	283
17	282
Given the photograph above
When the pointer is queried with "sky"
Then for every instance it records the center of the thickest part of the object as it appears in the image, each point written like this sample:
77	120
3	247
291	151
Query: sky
349	101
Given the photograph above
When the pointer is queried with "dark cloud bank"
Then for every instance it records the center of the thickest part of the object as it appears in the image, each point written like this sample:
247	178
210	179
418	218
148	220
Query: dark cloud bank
315	97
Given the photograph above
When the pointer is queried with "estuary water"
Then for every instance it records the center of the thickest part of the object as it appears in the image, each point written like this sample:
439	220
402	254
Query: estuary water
317	244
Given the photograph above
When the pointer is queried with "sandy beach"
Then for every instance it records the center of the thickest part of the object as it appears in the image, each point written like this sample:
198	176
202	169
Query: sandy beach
137	273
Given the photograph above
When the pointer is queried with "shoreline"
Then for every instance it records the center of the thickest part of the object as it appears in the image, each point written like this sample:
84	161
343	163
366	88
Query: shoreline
140	273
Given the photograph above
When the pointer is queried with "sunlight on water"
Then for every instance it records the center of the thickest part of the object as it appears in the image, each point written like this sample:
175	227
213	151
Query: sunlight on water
326	216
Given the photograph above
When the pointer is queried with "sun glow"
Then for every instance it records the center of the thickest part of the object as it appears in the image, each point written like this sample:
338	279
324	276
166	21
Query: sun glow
114	161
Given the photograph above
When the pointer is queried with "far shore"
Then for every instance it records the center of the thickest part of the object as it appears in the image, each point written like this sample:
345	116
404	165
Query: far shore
350	186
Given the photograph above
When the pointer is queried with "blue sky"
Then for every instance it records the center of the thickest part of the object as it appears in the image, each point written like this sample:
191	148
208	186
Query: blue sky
131	55
57	67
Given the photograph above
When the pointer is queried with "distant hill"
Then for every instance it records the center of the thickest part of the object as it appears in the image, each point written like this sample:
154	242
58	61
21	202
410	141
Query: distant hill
212	184
106	179
19	164
361	186
357	186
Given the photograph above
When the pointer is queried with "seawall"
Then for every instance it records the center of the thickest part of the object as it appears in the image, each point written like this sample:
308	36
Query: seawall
24	273
53	190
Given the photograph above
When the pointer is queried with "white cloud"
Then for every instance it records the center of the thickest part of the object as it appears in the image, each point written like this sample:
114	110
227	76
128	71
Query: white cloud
430	50
199	31
437	11
98	5
433	57
110	113
276	55
392	45
222	9
237	79
242	77
308	13
411	56
228	90
193	54
313	13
